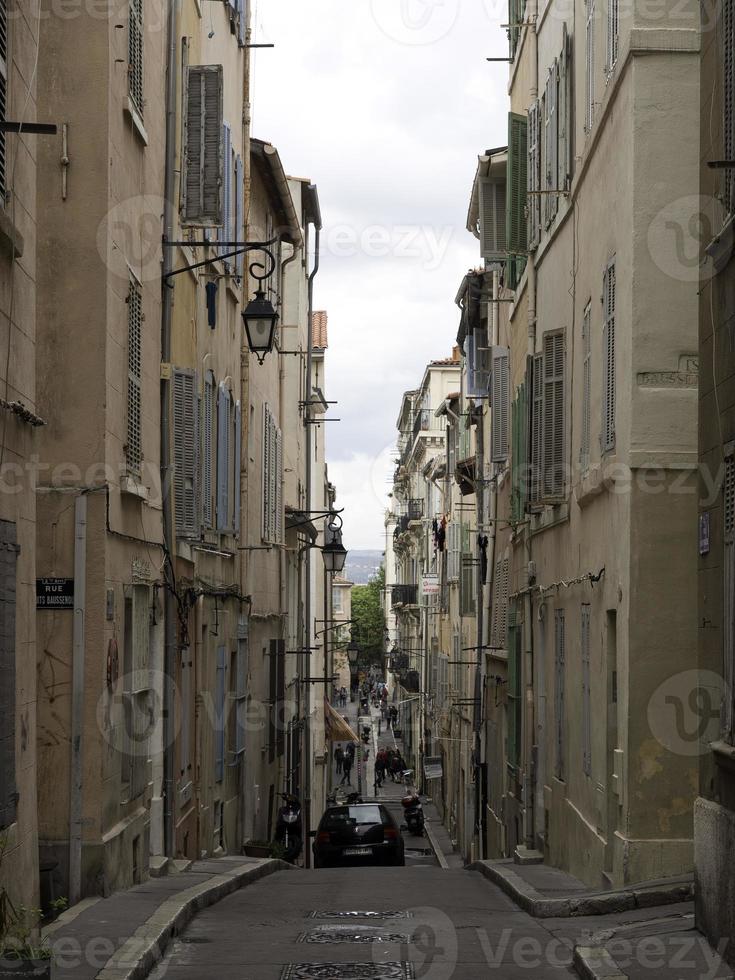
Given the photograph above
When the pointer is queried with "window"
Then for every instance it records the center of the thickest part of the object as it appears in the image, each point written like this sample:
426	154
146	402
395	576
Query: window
516	195
8	561
135	55
468	581
227	216
137	708
203	154
133	450
272	479
534	175
559	680
589	57
551	142
220	718
728	506
547	424
454	531
208	442
3	92
586	693
584	449
519	458
337	606
537	428
613	33
478	365
515	680
225	459
608	352
492	221
516	13
499	618
186	452
728	94
500	397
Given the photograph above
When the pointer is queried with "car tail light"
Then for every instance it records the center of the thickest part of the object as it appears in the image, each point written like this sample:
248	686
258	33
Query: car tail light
323	837
390	833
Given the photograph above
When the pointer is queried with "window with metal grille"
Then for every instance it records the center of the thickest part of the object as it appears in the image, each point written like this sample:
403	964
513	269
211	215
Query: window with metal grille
559	694
589	58
608	350
586	692
613	33
584	449
3	92
728	95
8	570
133	447
728	606
135	54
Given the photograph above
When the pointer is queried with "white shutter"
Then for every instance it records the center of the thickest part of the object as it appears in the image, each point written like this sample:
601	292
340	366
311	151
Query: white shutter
586	692
186	440
133	446
589	115
534	173
500	404
135	54
203	154
584	450
613	33
492	221
238	467
608	348
223	458
553	416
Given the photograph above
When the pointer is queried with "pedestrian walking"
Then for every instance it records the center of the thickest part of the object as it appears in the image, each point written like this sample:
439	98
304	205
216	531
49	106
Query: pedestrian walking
346	770
339	757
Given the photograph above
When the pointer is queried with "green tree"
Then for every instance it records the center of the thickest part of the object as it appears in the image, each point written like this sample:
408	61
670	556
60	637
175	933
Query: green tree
367	611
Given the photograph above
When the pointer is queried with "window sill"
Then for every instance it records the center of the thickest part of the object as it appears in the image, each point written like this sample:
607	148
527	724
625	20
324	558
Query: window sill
137	121
550	516
11	240
591	485
131	488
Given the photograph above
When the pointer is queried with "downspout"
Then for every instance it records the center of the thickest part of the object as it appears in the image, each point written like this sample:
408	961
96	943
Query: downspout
170	631
479	597
309	631
77	699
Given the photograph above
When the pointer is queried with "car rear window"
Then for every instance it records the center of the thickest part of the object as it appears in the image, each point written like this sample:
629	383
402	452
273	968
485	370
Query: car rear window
341	815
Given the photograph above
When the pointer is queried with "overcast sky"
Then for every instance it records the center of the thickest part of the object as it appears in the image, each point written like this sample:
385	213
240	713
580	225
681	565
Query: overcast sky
385	105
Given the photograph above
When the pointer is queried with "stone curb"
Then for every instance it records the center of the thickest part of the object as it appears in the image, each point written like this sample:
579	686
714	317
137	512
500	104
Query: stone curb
599	903
438	853
595	963
140	953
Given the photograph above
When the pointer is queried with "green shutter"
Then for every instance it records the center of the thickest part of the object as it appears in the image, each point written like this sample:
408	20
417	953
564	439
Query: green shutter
517	185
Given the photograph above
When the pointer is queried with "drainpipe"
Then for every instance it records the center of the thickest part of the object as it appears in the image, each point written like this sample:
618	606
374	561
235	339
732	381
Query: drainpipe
170	631
77	699
307	605
479	597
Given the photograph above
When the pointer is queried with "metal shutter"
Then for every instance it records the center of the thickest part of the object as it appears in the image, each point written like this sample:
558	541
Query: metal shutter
219	715
186	442
608	349
238	467
534	175
586	692
553	422
728	645
517	187
500	399
492	221
135	54
133	447
584	449
8	568
559	694
203	153
223	458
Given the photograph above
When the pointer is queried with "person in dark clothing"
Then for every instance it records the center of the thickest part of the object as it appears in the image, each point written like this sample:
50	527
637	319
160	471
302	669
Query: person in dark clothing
339	757
346	769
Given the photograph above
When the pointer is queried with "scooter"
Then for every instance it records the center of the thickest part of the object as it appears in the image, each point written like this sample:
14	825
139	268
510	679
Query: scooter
413	813
289	830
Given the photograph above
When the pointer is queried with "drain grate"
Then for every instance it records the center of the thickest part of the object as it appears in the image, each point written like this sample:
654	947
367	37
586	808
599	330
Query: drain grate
194	939
352	934
343	914
348	971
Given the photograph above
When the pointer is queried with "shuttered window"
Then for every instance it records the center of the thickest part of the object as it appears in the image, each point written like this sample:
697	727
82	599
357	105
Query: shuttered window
8	570
589	67
515	693
516	195
203	152
186	452
728	645
242	21
534	175
454	532
3	89
516	13
519	453
239	214
551	124
478	364
135	54
613	33
499	619
224	458
553	416
500	404
492	221
228	217
608	351
584	449
728	95
133	446
537	428
237	467
208	442
272	479
564	113
559	691
468	580
220	717
586	692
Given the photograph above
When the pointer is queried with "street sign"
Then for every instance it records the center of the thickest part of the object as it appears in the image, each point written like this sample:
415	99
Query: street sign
429	585
54	593
433	767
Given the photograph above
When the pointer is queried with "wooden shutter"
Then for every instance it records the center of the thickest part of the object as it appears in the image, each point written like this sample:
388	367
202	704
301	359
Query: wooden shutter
562	112
584	448
608	349
586	692
552	143
135	55
728	95
534	175
8	570
133	447
478	372
613	33
278	486
219	715
227	235
500	404
728	619
203	153
519	453
224	450
239	212
553	416
242	23
517	186
208	450
499	620
537	428
238	467
492	221
559	694
589	57
186	442
266	469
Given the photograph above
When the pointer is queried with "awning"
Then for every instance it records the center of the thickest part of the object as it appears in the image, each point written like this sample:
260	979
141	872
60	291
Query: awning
336	728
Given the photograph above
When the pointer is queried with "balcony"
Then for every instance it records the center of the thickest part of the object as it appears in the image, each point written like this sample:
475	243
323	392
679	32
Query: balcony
415	509
422	422
405	595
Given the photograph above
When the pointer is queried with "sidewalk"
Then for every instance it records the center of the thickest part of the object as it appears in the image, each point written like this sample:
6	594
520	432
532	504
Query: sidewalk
123	936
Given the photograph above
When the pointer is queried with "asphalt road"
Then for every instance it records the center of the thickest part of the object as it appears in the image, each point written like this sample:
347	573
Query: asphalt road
316	925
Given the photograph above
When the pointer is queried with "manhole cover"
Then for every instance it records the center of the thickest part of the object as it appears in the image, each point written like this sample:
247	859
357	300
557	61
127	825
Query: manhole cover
348	971
343	914
352	934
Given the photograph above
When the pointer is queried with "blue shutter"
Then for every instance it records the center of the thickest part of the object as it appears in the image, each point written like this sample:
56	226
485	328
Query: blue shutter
223	454
238	465
219	716
239	214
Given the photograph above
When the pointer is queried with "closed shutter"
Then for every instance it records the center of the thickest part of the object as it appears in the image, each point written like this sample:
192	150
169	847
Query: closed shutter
534	175
135	54
500	404
553	416
537	428
133	447
516	13
519	453
238	466
186	442
608	351
208	451
278	487
586	692
227	235
613	33
584	449
272	479
492	221
515	677
224	450
266	469
562	112
559	694
203	153
220	715
8	570
468	571
589	57
239	213
728	95
552	143
499	620
517	187
728	644
242	23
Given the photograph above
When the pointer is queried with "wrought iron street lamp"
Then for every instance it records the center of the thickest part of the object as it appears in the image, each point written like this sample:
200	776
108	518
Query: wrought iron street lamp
353	652
334	552
260	321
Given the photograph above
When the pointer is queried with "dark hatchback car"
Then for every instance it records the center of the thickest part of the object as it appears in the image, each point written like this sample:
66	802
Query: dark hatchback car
359	833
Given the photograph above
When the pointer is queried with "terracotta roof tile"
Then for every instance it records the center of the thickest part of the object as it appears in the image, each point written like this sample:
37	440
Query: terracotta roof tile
319	329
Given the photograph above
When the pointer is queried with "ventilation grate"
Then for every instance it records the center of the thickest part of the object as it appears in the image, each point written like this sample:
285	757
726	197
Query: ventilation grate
345	914
352	934
348	971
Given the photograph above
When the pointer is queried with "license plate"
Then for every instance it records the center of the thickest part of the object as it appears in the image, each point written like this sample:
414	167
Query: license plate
357	852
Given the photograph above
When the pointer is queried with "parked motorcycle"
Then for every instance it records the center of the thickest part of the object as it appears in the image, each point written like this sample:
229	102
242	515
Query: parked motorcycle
289	829
413	813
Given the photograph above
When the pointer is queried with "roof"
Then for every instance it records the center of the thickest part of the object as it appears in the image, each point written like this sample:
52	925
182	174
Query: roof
319	329
491	159
268	164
